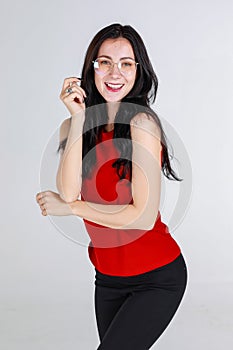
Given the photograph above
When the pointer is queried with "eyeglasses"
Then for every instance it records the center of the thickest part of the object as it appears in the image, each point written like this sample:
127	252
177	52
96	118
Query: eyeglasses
126	66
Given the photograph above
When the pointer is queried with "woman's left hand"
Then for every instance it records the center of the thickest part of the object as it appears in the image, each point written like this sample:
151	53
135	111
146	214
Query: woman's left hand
51	204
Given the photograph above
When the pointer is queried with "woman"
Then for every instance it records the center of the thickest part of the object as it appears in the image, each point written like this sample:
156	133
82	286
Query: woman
112	154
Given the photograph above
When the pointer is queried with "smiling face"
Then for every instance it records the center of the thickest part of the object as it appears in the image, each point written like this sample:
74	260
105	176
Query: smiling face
113	85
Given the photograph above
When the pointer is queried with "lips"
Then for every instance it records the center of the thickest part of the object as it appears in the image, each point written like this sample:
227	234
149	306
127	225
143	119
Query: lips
114	87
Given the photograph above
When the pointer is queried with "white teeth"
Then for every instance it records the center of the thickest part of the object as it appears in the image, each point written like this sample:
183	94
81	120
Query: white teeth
114	86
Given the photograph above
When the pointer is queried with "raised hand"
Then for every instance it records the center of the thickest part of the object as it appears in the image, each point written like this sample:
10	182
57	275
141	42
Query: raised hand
73	96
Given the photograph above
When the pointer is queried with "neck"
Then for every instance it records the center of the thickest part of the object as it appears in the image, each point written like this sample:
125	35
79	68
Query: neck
112	108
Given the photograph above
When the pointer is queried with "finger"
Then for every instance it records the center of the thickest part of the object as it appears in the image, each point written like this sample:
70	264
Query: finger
68	80
74	95
42	201
74	98
41	194
44	213
71	96
83	91
76	88
80	89
77	82
38	197
44	206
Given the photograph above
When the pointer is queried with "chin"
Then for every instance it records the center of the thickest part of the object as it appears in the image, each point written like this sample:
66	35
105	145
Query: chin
113	98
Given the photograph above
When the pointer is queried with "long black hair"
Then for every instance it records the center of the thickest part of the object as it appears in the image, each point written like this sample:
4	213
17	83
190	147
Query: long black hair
137	100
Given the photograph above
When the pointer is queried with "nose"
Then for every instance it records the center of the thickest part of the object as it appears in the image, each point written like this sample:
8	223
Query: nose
115	69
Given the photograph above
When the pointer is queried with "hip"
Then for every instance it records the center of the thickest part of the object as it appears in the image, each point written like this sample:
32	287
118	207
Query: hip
169	275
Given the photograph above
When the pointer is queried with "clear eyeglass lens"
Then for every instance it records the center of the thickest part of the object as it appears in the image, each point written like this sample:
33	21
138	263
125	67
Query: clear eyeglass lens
103	65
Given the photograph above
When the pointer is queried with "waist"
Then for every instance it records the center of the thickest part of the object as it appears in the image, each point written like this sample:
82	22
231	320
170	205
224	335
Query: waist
120	281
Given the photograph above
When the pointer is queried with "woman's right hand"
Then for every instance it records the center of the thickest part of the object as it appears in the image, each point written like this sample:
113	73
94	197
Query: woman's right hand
74	101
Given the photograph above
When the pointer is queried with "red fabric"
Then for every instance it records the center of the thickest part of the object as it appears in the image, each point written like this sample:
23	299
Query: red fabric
120	252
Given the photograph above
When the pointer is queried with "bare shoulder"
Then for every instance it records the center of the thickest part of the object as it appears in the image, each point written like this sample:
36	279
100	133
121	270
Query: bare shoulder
143	123
64	129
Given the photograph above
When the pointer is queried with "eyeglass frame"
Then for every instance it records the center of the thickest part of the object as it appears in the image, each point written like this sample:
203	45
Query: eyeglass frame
113	63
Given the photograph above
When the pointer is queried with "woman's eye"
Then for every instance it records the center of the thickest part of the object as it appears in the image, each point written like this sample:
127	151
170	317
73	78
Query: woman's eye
105	63
126	64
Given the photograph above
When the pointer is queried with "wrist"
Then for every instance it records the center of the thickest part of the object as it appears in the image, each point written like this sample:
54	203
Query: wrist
78	115
73	207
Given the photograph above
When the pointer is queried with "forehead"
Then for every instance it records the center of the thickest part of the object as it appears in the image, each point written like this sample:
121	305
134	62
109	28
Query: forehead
116	48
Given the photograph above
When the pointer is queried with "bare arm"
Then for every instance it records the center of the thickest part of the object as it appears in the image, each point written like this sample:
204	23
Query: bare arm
69	174
146	184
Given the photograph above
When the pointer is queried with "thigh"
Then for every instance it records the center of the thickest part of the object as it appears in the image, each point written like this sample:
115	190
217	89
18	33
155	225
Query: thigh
107	303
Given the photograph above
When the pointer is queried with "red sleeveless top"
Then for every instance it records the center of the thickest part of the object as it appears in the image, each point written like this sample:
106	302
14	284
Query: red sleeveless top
119	252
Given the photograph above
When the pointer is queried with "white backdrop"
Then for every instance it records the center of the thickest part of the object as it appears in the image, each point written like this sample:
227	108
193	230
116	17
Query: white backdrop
46	279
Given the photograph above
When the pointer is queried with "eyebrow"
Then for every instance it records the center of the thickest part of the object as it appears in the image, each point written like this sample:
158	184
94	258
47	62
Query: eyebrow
122	58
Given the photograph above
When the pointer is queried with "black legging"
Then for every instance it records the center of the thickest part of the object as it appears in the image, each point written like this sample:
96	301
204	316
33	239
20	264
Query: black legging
132	312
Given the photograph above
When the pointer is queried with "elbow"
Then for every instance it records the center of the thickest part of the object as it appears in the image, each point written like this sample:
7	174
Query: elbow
68	197
69	192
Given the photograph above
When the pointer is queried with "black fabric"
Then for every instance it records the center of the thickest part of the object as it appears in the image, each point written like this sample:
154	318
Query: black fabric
132	312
